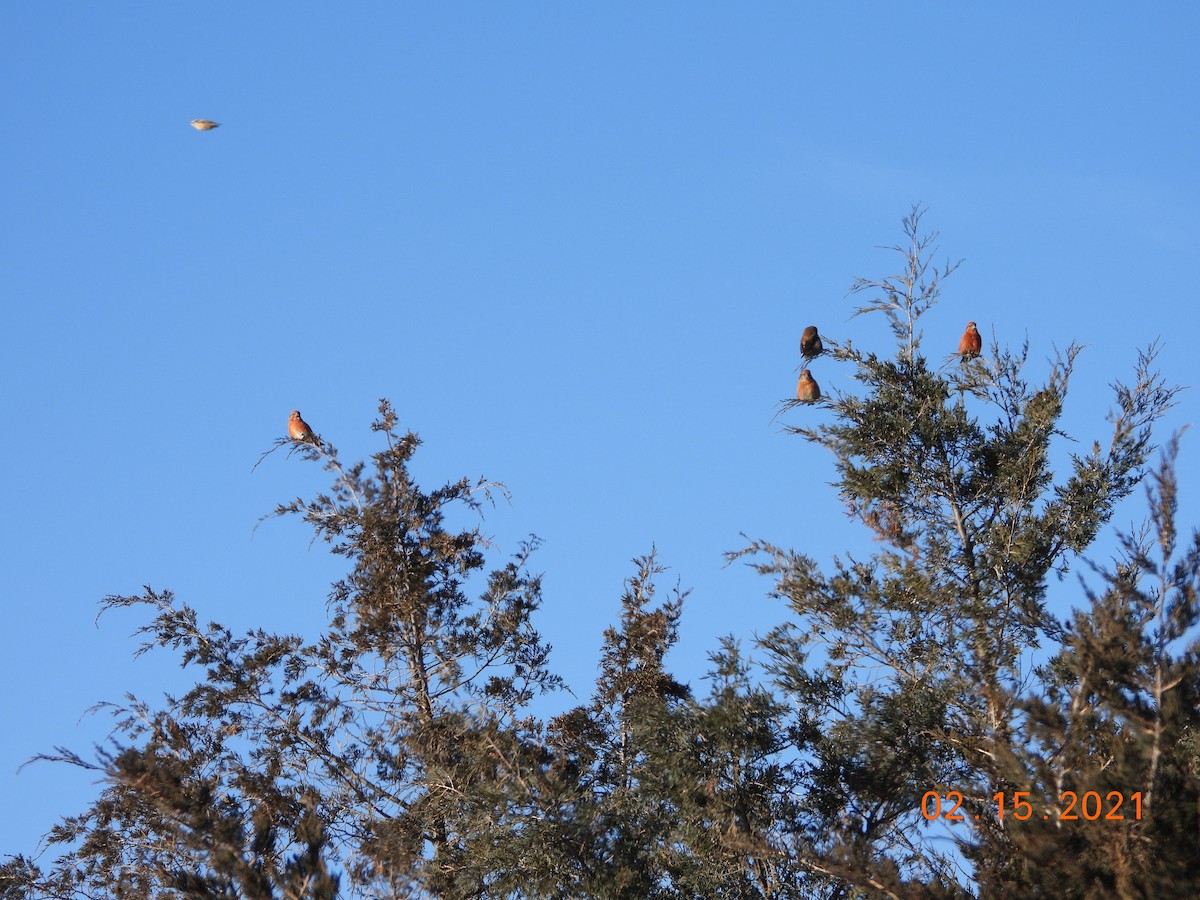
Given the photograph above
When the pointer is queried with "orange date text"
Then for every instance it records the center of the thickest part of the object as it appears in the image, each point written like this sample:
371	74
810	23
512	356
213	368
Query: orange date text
1089	806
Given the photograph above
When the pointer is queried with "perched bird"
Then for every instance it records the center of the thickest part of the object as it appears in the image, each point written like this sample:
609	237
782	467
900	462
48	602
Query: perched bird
810	343
807	390
971	343
298	429
205	124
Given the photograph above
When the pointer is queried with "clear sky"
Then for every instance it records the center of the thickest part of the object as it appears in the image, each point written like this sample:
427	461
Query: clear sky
575	244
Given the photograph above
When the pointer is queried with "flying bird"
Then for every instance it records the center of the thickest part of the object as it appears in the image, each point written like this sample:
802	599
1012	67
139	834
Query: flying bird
807	389
810	343
971	343
298	429
205	124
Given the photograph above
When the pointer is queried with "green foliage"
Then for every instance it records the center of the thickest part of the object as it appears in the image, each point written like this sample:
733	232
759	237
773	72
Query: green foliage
921	680
383	749
400	752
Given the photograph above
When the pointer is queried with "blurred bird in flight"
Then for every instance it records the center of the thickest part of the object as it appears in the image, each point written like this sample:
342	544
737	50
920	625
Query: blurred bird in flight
205	124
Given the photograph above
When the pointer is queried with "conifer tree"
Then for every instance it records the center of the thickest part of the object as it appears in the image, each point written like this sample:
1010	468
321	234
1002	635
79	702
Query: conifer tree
399	754
913	674
390	749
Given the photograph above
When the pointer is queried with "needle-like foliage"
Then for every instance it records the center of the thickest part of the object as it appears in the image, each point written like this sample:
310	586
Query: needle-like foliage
926	722
922	669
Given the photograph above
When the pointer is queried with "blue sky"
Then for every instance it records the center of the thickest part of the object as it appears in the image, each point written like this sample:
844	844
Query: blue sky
574	244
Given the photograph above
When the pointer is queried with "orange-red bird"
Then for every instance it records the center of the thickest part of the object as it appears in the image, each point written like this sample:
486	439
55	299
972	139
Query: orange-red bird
807	390
810	343
298	429
971	343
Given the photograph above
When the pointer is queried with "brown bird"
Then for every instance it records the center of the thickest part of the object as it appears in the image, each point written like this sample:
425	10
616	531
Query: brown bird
204	124
971	343
298	429
807	390
810	343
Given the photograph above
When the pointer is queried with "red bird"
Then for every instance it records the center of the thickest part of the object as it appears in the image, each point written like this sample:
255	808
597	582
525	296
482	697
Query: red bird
810	343
298	429
807	390
971	344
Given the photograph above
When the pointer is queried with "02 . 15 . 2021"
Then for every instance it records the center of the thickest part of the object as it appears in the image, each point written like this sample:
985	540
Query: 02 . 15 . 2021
1089	806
